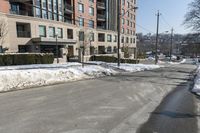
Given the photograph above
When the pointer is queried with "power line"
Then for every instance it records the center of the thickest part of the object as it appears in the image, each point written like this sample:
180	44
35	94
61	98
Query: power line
164	20
145	28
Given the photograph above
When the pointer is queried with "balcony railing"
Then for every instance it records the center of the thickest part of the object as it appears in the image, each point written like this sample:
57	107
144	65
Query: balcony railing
21	12
101	5
68	8
101	17
25	34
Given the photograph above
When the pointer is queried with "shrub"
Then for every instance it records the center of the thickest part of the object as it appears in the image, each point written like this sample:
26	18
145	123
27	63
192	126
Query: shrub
25	59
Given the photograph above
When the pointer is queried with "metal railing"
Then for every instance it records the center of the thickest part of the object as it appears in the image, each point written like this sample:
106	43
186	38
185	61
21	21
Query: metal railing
101	16
21	12
68	7
101	4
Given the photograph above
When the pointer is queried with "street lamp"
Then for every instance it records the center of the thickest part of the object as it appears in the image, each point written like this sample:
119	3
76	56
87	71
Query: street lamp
56	35
119	15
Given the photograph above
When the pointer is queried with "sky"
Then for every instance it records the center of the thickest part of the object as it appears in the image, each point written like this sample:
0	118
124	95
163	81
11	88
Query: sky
172	15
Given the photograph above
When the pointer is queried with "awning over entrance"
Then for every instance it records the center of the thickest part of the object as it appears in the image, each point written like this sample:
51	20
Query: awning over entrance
52	41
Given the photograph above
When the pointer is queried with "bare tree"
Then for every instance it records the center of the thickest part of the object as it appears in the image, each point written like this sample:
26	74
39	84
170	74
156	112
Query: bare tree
3	31
192	18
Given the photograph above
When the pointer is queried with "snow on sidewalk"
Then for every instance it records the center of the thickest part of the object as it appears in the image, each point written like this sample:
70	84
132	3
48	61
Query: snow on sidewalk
20	77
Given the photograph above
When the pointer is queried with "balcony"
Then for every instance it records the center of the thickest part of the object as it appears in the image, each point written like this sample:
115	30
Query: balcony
21	12
21	1
68	9
101	17
101	5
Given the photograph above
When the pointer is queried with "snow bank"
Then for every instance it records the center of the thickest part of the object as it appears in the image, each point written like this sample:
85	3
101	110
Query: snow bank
196	87
134	67
19	79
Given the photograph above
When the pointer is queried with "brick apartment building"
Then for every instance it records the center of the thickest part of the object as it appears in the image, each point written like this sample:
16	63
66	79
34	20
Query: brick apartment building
34	25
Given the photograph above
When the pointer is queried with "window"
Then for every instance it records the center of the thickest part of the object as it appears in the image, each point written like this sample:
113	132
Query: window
127	22
81	36
91	1
60	32
42	31
109	49
50	7
127	40
44	11
37	9
128	4
51	31
69	33
91	11
122	40
23	30
131	39
92	37
101	37
127	31
122	30
109	38
81	21
80	7
115	38
55	9
122	20
123	2
123	11
91	24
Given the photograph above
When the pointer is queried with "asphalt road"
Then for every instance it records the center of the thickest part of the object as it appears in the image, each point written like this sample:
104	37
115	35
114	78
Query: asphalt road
115	104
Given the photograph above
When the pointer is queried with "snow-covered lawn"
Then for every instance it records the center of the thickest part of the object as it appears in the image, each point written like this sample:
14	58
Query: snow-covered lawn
20	77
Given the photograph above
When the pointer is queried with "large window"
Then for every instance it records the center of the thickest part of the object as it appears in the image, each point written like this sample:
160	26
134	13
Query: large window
50	6
51	31
44	9
23	30
38	8
101	37
69	33
81	21
60	32
91	24
109	38
80	7
42	31
91	11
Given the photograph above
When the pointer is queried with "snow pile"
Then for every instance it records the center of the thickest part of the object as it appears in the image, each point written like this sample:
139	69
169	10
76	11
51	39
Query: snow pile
19	79
127	67
196	87
134	67
177	63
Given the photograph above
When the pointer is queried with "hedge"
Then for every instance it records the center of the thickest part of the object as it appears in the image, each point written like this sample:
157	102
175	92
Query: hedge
112	59
25	59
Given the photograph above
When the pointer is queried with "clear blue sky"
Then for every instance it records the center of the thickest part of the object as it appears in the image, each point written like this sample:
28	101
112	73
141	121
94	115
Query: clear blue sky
172	11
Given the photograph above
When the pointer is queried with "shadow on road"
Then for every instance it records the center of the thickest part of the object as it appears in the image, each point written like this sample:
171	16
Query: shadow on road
173	114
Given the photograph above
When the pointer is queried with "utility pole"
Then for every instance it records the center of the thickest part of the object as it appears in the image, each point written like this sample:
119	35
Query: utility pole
118	31
172	30
156	54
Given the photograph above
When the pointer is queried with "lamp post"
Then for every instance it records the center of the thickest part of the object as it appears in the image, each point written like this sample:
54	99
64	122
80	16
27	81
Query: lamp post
119	27
56	35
